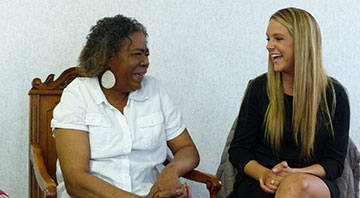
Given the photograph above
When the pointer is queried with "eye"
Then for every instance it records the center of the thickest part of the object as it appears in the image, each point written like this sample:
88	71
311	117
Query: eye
278	38
267	39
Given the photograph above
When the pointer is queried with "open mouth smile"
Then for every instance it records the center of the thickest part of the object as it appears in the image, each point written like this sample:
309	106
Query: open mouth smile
277	58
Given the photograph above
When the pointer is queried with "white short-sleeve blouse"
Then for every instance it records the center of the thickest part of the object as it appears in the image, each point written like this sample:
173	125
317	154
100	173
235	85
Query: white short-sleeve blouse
125	149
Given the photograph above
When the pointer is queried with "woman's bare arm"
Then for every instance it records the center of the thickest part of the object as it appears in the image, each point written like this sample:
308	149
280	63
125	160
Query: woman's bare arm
73	150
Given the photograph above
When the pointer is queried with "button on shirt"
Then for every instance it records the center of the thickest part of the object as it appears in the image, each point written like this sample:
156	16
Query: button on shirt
125	149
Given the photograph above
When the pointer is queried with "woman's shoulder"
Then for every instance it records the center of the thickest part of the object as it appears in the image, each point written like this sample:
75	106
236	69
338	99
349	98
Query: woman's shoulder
337	87
336	92
261	79
258	82
80	82
83	88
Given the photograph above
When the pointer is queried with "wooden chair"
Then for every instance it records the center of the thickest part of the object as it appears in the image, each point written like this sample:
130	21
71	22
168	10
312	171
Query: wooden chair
42	169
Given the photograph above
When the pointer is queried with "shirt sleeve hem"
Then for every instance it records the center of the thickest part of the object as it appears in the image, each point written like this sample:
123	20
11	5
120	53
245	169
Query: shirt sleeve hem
175	134
55	125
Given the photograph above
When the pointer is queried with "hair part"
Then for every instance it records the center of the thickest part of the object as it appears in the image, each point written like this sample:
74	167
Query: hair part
310	83
106	38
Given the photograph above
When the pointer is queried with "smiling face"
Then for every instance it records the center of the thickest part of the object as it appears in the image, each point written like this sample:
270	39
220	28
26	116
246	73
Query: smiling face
130	63
281	47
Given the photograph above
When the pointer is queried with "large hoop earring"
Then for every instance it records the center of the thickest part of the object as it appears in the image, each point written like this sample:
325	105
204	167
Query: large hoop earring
108	80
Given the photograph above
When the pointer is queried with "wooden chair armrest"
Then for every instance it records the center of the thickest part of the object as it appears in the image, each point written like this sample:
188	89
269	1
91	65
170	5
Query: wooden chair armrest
213	183
43	179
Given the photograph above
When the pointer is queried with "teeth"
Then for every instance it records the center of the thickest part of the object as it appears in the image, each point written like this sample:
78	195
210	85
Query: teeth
275	55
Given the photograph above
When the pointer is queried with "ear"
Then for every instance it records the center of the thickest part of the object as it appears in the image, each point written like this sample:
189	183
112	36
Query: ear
113	60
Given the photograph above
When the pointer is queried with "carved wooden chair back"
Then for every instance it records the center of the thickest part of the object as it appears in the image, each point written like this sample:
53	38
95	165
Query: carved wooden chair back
43	99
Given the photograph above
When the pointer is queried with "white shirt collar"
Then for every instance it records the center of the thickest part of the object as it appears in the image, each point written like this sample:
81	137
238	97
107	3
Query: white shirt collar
99	96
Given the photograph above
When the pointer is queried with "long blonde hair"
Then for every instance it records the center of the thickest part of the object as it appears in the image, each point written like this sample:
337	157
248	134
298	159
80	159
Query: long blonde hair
310	83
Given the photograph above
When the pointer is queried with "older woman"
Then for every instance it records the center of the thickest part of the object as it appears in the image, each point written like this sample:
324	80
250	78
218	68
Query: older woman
113	125
293	126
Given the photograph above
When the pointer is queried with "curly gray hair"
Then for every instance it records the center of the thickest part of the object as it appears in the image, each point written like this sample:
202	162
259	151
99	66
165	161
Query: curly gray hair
106	38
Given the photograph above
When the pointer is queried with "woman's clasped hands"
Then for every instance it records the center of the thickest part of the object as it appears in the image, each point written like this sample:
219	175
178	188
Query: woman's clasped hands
169	186
271	182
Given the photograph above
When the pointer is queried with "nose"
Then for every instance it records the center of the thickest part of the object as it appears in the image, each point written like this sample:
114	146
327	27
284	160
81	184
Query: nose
145	61
270	46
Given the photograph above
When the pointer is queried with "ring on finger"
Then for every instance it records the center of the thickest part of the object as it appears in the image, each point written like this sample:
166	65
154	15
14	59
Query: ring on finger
272	182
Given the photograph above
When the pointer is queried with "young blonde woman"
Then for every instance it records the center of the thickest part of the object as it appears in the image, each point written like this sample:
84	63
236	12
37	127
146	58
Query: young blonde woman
292	132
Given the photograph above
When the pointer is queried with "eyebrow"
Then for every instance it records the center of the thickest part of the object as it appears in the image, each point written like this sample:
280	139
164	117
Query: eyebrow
276	34
141	49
